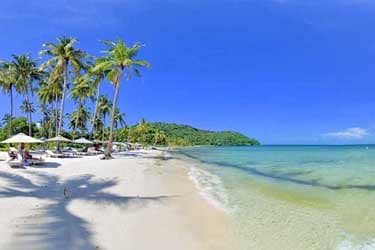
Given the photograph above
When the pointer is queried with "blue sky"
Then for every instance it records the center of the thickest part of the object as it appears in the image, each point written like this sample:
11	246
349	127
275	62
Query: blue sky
285	71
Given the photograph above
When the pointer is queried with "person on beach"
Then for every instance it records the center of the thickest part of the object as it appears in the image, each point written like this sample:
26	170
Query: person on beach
24	153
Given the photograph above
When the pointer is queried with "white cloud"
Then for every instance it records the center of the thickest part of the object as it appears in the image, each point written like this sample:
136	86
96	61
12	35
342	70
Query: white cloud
350	133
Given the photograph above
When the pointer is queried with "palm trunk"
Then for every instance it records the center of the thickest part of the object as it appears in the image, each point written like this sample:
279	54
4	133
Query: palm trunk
29	114
129	134
75	125
95	110
117	91
65	70
56	120
11	111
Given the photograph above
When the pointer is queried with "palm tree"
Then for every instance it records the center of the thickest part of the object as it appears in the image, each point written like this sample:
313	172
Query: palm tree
7	82
62	56
141	130
27	72
46	121
81	91
104	108
160	138
95	79
49	94
119	61
119	119
79	119
28	108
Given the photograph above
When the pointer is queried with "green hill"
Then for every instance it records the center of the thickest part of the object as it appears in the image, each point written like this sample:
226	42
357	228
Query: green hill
184	135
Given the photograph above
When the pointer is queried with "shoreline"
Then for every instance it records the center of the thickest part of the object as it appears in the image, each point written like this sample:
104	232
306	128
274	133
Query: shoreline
141	200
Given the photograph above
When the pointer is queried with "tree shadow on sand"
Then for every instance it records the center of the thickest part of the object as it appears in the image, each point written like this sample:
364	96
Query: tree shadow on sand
53	226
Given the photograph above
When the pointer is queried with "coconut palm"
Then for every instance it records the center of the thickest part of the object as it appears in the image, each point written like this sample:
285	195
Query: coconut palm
81	91
27	72
99	126
160	138
119	60
7	83
27	108
141	130
46	121
104	109
63	56
51	93
119	119
79	119
95	79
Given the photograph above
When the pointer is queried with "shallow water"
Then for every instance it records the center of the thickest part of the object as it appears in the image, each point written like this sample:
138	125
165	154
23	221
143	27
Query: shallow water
291	197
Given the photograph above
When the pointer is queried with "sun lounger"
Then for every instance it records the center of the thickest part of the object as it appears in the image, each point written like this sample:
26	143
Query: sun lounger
55	154
93	151
15	164
36	161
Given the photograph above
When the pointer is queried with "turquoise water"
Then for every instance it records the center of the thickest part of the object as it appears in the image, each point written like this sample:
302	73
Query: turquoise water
323	195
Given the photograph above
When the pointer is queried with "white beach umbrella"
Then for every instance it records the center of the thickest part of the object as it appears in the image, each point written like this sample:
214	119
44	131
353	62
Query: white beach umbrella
83	141
22	138
59	138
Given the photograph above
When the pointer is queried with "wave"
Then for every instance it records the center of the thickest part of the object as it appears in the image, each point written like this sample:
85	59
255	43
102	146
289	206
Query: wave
349	245
211	188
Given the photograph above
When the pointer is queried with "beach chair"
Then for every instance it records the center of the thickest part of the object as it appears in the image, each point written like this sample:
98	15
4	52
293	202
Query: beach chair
52	154
15	162
36	161
93	151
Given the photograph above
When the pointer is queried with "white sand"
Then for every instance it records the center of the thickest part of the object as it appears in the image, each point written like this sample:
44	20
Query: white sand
137	201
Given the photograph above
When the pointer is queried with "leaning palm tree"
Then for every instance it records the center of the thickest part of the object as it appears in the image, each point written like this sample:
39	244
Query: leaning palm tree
62	55
27	72
7	83
119	61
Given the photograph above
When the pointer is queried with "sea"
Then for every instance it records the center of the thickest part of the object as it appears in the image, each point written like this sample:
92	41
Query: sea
290	197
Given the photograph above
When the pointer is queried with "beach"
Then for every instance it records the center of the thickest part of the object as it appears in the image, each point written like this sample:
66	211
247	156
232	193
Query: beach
266	198
139	200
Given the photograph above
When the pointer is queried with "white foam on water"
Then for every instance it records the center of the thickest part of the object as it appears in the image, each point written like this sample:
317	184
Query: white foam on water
349	245
211	188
